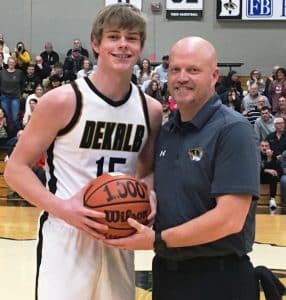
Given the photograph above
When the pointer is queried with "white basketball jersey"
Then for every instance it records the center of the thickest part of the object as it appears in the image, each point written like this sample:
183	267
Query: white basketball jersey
103	136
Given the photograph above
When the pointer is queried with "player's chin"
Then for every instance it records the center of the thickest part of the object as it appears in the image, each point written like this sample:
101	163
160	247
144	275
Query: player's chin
123	66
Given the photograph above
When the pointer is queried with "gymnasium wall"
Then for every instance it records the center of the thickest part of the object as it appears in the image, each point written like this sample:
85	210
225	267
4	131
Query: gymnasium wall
259	44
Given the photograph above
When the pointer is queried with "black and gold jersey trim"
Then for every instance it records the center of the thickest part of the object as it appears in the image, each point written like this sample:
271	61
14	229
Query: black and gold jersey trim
145	110
105	98
77	113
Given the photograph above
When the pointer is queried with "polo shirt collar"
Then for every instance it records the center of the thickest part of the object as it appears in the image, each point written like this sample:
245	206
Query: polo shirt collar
201	118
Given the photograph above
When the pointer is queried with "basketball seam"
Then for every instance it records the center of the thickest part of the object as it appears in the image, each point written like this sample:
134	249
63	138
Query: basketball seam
117	203
118	228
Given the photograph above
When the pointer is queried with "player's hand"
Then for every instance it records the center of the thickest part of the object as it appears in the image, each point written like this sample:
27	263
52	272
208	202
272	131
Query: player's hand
76	214
143	239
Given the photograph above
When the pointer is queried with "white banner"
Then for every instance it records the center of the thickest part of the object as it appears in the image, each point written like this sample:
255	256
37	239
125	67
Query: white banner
228	9
184	4
137	3
264	9
251	9
184	9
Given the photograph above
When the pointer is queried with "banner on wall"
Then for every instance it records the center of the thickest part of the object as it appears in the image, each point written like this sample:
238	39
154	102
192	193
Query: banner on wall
251	9
228	9
184	9
137	3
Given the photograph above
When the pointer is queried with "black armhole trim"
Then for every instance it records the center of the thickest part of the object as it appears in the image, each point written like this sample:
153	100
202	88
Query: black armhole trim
77	113
145	110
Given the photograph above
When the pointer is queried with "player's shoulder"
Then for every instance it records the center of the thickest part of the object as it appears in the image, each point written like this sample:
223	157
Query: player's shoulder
61	96
154	105
58	103
155	110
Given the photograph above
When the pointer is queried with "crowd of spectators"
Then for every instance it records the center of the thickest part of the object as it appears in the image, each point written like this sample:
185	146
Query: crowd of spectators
24	79
263	103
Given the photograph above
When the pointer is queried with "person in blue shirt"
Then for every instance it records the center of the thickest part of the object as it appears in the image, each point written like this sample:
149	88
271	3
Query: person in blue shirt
206	178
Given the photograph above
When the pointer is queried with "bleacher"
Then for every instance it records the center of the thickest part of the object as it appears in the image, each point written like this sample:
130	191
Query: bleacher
4	189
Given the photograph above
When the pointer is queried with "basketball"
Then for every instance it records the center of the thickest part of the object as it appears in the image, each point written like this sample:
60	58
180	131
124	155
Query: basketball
119	196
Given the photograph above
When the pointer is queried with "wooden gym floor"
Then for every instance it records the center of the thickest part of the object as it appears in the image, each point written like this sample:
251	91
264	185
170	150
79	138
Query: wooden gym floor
17	251
18	246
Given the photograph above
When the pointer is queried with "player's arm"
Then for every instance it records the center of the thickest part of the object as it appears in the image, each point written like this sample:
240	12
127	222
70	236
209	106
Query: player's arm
145	163
53	113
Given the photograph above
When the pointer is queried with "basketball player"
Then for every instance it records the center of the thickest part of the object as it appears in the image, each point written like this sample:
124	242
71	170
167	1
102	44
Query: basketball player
204	226
97	124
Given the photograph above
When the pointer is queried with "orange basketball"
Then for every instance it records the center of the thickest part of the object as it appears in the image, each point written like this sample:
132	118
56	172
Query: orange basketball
119	196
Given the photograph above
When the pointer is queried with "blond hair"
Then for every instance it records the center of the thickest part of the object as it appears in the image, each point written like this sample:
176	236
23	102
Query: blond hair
123	16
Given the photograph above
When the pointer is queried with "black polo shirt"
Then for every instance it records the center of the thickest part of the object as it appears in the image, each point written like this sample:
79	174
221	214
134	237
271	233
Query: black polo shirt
215	154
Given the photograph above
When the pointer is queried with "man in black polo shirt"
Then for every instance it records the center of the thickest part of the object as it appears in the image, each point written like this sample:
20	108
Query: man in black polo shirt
206	179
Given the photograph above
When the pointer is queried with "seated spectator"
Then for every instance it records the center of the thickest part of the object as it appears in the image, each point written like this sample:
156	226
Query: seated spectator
50	57
73	64
136	68
162	69
166	111
32	104
277	139
7	130
231	98
3	65
249	101
277	88
38	165
57	69
77	44
154	90
146	83
230	81
264	125
172	104
255	77
42	69
31	80
281	111
255	113
2	51
268	81
6	49
283	177
54	82
23	56
270	172
144	72
87	69
39	91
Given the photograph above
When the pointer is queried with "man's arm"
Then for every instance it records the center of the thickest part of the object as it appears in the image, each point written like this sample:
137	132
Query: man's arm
53	113
227	218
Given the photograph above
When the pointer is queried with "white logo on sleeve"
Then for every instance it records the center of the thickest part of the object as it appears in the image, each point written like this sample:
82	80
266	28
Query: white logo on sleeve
162	153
